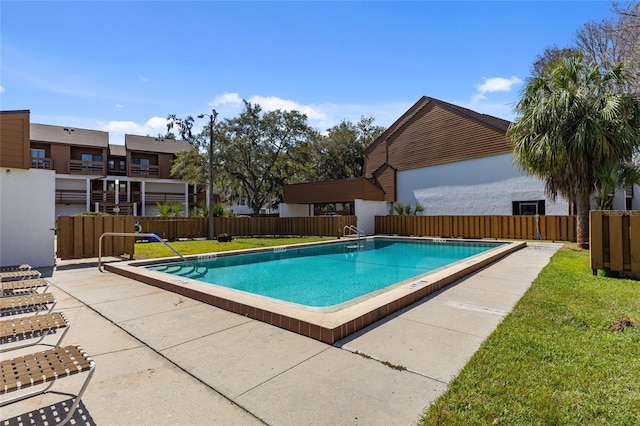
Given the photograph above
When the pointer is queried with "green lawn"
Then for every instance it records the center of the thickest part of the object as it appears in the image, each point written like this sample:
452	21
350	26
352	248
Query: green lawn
155	250
566	355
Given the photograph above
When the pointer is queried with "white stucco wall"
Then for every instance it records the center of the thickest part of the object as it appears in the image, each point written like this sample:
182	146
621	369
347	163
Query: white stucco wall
366	211
295	210
27	214
484	186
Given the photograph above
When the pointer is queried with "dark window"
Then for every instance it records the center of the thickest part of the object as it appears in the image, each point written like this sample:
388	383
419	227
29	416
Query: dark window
91	157
531	207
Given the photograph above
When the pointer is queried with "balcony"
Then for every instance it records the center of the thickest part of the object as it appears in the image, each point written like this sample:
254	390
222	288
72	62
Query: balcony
41	163
86	167
144	170
71	196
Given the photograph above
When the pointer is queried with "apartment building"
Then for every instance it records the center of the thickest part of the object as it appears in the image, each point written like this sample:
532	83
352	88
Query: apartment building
93	175
49	171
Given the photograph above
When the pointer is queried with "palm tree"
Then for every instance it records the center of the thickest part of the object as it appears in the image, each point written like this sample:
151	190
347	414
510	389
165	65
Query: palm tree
571	120
613	177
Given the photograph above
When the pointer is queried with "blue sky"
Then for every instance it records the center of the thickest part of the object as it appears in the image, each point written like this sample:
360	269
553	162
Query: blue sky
124	66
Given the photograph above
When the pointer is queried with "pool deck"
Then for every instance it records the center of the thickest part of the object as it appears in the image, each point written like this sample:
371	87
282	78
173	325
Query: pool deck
165	359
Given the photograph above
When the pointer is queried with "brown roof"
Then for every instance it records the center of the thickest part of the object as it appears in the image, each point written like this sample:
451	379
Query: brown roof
157	145
68	135
334	191
484	119
117	150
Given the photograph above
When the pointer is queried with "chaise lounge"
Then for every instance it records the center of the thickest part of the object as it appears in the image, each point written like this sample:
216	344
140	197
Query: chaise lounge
41	368
25	328
27	303
22	274
17	288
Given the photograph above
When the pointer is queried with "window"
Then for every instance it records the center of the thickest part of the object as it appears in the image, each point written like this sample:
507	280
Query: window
37	159
528	207
629	198
141	161
140	166
92	157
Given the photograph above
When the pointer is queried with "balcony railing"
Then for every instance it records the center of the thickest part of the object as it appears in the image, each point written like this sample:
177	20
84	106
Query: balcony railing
71	196
41	163
99	196
86	167
163	197
144	170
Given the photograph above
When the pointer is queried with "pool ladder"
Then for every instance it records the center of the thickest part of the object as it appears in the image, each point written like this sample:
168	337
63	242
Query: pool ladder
351	231
147	235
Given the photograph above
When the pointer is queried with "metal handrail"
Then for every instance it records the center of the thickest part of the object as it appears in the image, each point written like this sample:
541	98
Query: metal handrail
352	229
135	234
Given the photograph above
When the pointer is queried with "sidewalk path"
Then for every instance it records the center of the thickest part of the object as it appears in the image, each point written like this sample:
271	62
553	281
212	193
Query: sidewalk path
163	359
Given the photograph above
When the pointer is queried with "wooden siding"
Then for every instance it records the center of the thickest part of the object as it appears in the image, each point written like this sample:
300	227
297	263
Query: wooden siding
165	161
375	158
386	178
60	154
615	241
554	228
338	191
438	136
14	139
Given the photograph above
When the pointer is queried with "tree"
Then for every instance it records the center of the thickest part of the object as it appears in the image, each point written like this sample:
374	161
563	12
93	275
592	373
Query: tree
341	151
570	122
610	42
613	177
550	57
253	149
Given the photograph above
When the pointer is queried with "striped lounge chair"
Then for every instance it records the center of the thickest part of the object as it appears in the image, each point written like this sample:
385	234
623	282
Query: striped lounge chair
19	332
27	303
16	288
24	376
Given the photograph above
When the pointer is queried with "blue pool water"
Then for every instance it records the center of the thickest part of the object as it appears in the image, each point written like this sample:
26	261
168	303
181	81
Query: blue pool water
326	275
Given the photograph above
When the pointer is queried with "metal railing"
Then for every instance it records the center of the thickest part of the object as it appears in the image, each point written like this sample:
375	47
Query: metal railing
135	234
353	232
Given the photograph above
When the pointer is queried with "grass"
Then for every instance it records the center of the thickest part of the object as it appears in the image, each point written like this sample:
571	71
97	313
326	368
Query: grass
156	250
568	354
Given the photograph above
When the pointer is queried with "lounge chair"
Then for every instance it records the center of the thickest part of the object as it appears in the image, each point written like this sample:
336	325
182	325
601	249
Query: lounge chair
22	329
40	368
23	267
16	288
22	274
27	303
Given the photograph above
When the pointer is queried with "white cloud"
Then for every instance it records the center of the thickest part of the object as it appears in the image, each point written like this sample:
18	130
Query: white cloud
494	84
130	127
119	106
232	99
1	89
117	129
143	79
498	84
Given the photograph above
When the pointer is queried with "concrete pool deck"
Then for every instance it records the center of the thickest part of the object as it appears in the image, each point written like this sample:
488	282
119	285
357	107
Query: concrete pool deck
162	358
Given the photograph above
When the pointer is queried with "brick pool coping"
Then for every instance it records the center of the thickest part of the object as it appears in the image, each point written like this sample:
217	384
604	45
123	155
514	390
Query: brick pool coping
328	326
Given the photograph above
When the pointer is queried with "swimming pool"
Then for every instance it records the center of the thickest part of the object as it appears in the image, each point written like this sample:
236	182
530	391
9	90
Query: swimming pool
327	323
327	275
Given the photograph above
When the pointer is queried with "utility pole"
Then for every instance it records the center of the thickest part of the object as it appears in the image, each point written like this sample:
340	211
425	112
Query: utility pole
212	119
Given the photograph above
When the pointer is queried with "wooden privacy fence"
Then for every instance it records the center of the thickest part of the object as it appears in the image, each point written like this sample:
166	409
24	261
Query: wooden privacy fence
614	241
78	235
555	228
172	228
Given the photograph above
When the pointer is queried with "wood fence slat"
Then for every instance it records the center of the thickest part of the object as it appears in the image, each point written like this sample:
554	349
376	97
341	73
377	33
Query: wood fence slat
595	240
634	246
615	243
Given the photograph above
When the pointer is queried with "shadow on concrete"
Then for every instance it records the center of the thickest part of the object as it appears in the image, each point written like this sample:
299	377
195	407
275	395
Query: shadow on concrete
51	415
